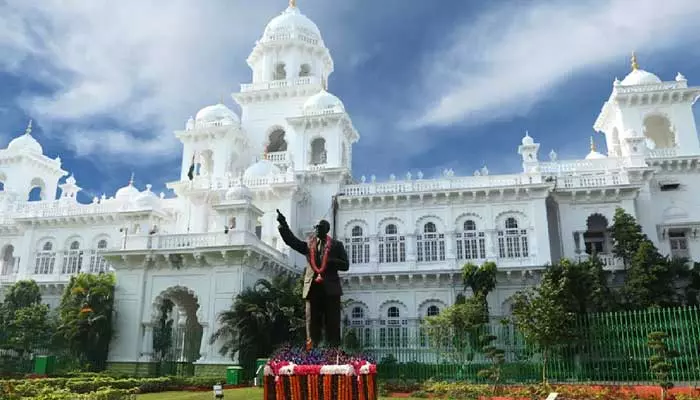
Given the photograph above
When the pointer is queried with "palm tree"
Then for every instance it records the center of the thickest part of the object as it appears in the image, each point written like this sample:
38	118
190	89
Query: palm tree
262	318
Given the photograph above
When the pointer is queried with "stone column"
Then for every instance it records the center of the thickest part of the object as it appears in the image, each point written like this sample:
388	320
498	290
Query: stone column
450	253
147	344
374	249
204	346
411	254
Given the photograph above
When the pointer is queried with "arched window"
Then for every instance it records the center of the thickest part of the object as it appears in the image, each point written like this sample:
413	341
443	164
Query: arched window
97	263
432	311
276	141
394	330
280	72
318	151
358	246
7	260
512	241
304	70
359	322
45	260
430	244
596	236
471	244
72	259
659	132
392	246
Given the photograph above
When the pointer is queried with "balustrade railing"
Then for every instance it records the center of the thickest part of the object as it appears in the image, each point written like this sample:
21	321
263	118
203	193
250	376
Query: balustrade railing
573	166
663	153
431	185
188	241
52	264
282	83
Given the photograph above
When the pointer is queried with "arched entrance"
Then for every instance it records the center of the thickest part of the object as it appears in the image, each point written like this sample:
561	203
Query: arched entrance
177	333
7	260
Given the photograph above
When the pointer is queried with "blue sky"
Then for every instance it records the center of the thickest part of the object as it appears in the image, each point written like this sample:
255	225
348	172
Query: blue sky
429	84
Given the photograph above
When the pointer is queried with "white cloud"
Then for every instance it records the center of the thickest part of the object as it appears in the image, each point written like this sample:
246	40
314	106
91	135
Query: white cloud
139	67
514	55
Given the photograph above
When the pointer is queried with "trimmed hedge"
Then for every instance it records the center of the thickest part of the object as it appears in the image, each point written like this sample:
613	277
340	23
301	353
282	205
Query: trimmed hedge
98	387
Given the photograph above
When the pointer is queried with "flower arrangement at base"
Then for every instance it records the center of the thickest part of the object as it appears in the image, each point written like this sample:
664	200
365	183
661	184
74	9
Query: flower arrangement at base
319	374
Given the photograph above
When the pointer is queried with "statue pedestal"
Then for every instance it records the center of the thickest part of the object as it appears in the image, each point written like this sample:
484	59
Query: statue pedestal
315	382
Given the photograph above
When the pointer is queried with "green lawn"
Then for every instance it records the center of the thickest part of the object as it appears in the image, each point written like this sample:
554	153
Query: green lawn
234	394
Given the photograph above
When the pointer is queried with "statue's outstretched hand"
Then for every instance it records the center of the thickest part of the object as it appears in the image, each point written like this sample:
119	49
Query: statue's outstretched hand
281	219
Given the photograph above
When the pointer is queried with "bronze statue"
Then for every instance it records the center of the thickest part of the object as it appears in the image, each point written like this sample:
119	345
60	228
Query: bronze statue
322	291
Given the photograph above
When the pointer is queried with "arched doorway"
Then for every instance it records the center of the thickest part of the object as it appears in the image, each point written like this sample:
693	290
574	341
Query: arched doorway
177	333
595	238
7	260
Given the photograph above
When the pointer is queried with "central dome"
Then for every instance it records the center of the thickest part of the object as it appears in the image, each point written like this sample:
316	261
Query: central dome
640	77
217	113
261	169
323	102
291	21
26	142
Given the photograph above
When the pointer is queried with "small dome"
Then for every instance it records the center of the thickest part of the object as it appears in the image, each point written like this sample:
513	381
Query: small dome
26	142
291	21
261	169
594	155
323	102
128	192
527	140
239	192
147	199
640	77
217	113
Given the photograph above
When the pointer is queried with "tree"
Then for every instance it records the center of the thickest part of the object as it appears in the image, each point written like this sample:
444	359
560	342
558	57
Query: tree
627	235
26	322
497	358
163	331
651	278
585	285
661	361
543	319
86	314
261	319
457	328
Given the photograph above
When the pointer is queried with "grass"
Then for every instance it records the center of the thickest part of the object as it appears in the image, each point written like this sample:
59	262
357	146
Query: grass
233	394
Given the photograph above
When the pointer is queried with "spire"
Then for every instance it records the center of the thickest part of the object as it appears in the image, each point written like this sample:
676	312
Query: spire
131	181
293	3
221	99
324	83
635	65
28	131
593	150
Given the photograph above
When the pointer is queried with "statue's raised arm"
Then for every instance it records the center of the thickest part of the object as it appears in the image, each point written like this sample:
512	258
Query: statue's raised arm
288	237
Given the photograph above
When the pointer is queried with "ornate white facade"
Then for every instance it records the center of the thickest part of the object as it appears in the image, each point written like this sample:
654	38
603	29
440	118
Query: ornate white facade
407	237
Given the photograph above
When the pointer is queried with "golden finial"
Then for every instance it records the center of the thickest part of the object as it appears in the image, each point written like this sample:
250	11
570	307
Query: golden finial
293	3
635	65
28	131
592	145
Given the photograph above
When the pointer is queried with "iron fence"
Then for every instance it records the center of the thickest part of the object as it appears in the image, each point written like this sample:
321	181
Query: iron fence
610	347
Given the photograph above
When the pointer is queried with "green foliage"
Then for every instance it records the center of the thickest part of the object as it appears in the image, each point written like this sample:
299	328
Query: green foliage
584	285
163	331
661	361
455	331
96	387
480	279
543	317
627	235
22	294
261	319
497	358
30	328
86	313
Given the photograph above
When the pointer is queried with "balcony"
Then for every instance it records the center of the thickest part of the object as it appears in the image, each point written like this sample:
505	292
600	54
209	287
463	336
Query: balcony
609	261
279	84
45	268
663	153
193	241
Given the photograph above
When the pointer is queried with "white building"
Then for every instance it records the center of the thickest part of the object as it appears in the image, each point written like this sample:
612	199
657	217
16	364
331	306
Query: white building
291	149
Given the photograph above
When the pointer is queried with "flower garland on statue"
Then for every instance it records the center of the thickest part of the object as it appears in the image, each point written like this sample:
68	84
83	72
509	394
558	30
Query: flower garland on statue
313	242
